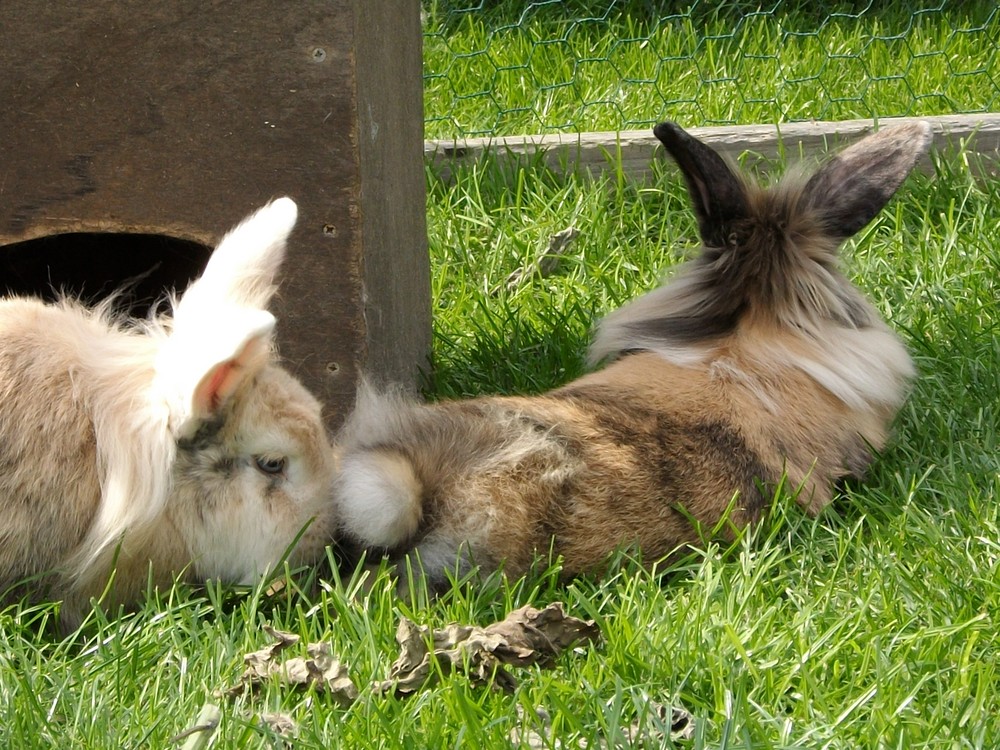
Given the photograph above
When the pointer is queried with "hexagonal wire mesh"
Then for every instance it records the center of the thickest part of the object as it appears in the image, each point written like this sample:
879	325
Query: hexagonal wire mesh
505	68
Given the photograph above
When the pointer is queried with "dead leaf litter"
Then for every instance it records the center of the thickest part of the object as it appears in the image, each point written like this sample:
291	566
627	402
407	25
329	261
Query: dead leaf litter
319	671
526	636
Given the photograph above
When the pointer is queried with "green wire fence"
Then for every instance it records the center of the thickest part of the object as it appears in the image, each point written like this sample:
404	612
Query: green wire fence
505	68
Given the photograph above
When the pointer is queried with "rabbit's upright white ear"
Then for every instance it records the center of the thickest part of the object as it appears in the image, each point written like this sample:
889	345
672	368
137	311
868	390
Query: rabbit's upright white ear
221	333
236	353
197	370
243	268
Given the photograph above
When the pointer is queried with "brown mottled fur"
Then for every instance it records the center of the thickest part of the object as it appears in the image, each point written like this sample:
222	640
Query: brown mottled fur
759	361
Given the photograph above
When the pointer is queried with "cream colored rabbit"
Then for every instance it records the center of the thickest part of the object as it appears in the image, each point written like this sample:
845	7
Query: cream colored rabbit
758	359
175	443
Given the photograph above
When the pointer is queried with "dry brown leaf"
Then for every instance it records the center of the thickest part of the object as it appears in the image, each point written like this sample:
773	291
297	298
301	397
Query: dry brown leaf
527	636
265	655
538	636
281	724
319	671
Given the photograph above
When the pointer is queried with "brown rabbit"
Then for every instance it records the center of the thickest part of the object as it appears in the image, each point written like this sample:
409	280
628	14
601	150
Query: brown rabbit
758	360
175	443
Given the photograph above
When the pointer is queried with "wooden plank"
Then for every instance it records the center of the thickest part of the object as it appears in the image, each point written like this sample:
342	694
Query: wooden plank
635	150
394	225
180	118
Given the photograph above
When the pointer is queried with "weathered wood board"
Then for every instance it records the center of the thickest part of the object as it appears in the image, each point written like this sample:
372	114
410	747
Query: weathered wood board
634	151
180	118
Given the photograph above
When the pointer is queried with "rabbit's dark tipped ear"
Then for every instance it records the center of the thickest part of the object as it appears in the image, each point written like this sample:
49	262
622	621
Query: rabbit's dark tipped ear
850	189
717	193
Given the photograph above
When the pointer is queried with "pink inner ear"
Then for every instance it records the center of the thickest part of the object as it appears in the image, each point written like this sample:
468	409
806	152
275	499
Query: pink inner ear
224	378
217	386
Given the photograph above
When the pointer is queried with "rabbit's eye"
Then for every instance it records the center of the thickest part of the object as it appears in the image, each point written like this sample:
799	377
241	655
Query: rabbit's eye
270	465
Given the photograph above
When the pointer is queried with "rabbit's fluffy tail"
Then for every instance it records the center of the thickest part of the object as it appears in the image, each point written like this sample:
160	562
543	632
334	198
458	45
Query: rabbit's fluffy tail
381	498
379	493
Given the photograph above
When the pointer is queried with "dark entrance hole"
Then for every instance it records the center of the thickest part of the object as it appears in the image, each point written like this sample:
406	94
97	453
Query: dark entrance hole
91	266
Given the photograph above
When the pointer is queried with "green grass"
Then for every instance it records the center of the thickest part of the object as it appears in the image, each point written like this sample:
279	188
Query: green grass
873	626
565	66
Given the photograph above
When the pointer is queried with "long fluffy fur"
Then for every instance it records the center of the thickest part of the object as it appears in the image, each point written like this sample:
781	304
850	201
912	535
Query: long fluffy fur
788	281
757	362
115	378
138	444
